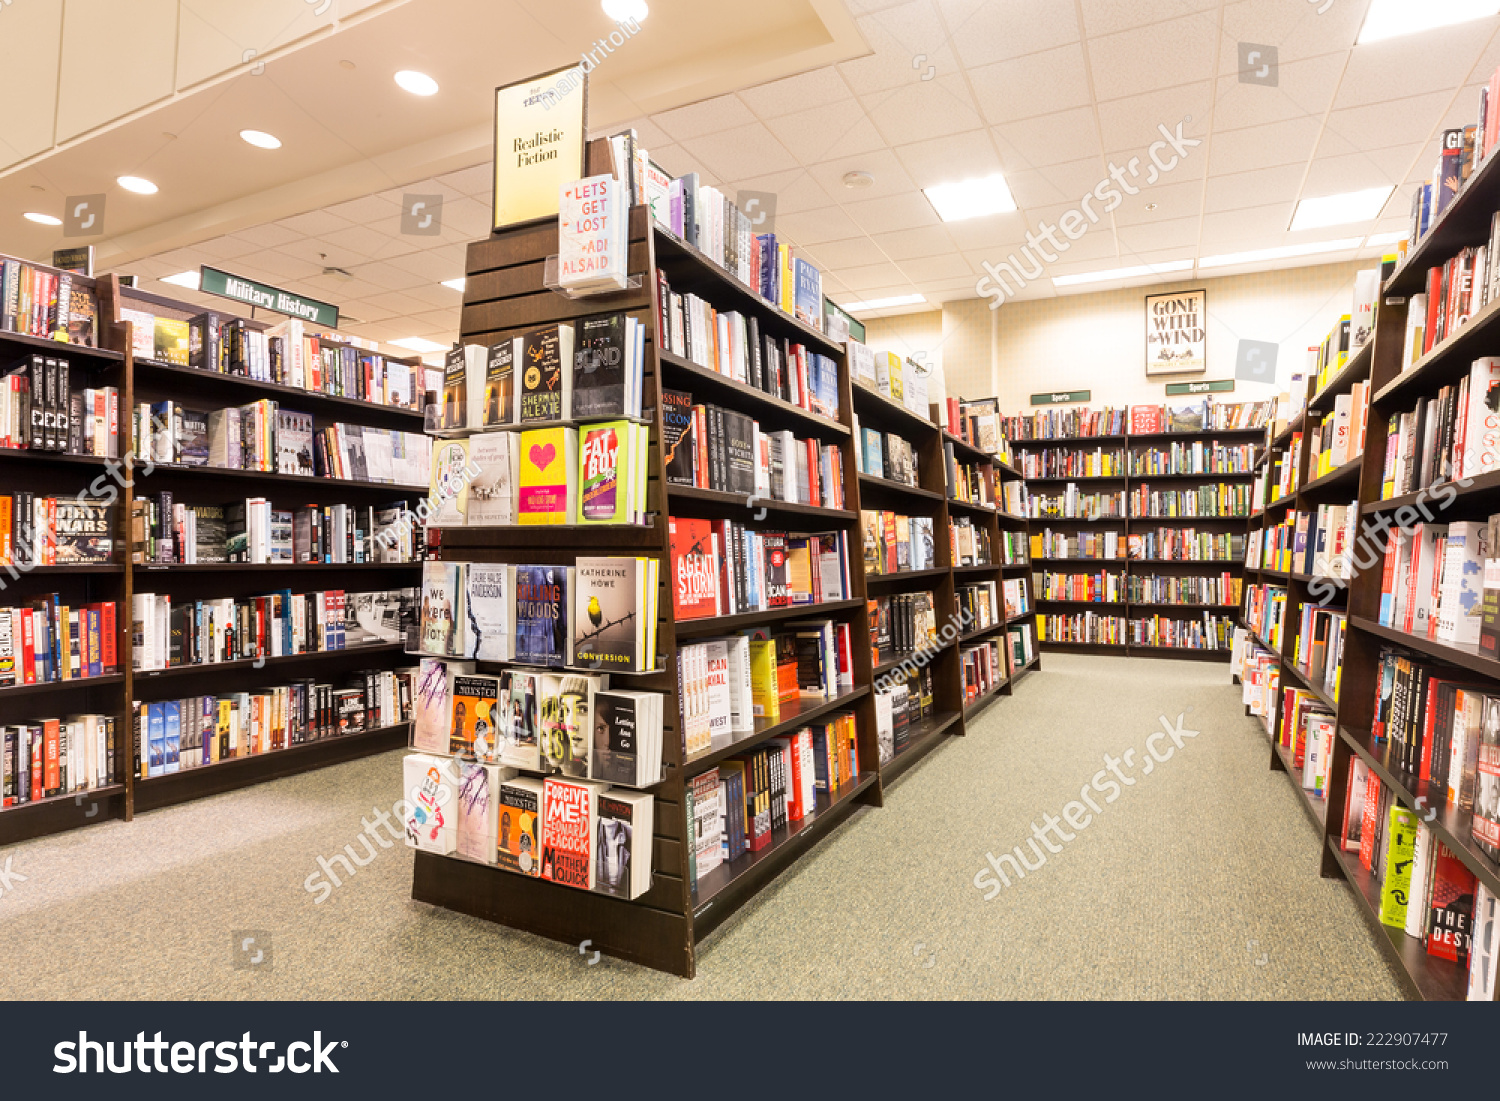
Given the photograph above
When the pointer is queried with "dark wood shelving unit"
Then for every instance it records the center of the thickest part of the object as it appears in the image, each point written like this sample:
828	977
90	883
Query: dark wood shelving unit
1131	447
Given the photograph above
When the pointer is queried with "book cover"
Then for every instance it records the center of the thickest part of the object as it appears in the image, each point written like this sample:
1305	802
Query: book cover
542	375
600	359
617	739
569	810
1395	887
625	827
605	473
82	532
1451	908
695	571
542	612
432	715
448	497
567	730
442	615
432	811
520	806
500	384
521	692
489	600
494	466
548	462
478	807
679	438
609	602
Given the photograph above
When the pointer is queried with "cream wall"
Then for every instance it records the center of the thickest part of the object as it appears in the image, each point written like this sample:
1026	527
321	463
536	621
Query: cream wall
1097	341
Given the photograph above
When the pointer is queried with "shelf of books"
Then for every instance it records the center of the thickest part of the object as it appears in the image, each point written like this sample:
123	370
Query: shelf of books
673	629
1370	647
170	616
1137	524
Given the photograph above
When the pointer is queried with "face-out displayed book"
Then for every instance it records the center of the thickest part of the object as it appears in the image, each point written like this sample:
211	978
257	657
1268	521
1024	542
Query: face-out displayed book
615	613
622	846
593	239
720	567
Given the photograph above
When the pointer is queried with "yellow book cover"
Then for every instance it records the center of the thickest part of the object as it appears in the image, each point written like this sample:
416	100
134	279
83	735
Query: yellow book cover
539	140
549	465
170	342
448	496
1395	885
764	696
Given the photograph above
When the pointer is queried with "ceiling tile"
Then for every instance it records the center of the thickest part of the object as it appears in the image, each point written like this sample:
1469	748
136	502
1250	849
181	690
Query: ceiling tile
840	130
909	244
854	252
1412	120
895	212
1132	124
1180	233
1171	200
897	35
1411	65
1297	30
922	110
1048	139
872	277
1357	171
314	223
954	157
1039	187
950	266
795	190
1164	55
1246	228
477	181
812	227
367	209
1290	141
1036	84
706	117
816	89
1108	16
268	235
1302	89
996	30
1244	189
742	151
890	177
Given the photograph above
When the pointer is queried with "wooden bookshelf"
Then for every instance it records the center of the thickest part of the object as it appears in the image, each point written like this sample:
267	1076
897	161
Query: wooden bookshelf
142	380
1132	445
664	928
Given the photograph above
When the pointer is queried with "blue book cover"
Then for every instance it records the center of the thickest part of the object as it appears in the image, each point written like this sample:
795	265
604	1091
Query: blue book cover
285	610
874	461
807	300
96	666
542	615
768	267
171	735
156	739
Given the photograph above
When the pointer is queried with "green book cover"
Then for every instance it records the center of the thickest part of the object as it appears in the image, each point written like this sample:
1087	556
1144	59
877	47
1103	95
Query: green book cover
1395	888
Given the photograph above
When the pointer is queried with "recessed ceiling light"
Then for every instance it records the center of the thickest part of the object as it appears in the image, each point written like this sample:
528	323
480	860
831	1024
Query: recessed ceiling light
418	84
1390	18
260	139
622	11
1338	210
41	219
885	303
970	198
188	279
138	184
1375	239
456	284
1281	253
419	344
1121	273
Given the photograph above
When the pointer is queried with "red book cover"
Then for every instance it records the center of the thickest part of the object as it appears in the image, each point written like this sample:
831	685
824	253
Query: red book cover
1429	727
1434	306
1450	915
695	574
1146	419
1367	824
107	629
568	812
51	766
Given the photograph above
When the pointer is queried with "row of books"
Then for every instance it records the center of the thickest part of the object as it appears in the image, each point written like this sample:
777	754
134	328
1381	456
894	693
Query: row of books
40	410
737	346
1091	628
1136	420
1338	437
1319	648
46	758
982	668
903	623
1208	632
970	542
600	613
56	305
1091	588
1259	670
575	832
166	531
971	483
567	723
894	543
977	605
1186	545
1306	730
722	567
1013	498
1434	582
1351	332
169	632
1461	150
713	447
899	380
1066	424
196	731
1426	890
1223	589
1265	612
1015	547
46	641
1022	645
1075	504
1454	434
595	474
1017	597
587	369
887	455
285	354
1054	462
900	705
1198	457
977	423
1082	545
1226	499
38	530
264	437
1279	478
740	805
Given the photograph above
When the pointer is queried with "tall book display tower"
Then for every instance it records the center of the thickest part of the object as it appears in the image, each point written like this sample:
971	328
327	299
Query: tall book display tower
506	293
1355	696
107	781
1135	604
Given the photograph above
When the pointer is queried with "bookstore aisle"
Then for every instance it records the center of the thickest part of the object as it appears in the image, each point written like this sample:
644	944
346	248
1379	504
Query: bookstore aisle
1176	890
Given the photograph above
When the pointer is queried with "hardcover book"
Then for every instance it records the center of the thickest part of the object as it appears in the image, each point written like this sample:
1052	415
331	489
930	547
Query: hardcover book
695	570
609	473
569	814
500	384
549	460
567	730
610	602
521	692
432	707
545	386
442	616
478	811
543	620
494	463
449	495
599	367
489	602
472	733
622	848
679	438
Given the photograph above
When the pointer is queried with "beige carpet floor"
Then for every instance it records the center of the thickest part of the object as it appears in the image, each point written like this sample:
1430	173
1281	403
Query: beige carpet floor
1199	881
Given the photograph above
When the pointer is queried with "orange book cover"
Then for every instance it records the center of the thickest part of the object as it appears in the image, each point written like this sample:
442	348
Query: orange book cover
51	763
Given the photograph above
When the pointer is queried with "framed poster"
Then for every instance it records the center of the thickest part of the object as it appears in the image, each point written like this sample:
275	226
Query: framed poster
541	129
1177	333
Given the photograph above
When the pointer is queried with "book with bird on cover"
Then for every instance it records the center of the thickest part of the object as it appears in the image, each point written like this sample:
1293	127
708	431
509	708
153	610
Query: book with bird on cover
614	605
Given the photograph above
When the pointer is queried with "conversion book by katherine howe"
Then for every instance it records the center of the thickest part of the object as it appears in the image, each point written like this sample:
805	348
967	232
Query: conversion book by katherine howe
614	613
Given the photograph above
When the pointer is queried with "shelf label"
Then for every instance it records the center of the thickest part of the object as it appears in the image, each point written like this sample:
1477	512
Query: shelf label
1061	397
1222	386
239	289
